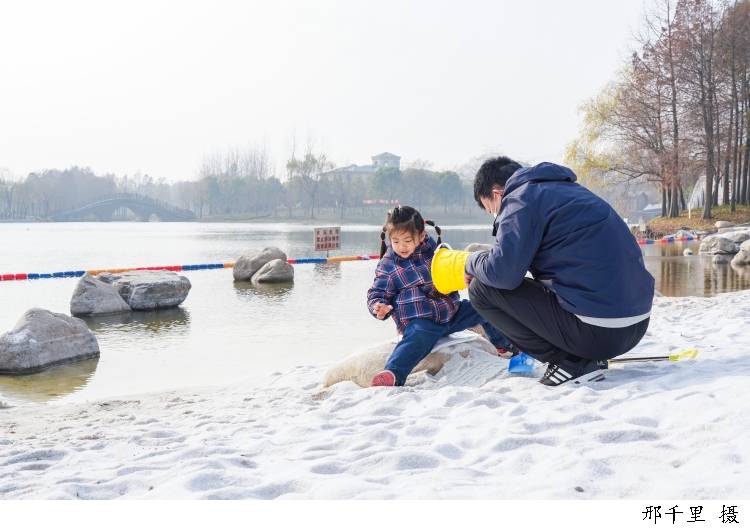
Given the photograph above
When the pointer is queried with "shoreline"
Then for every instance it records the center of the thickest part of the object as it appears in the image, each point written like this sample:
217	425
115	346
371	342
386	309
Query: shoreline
664	430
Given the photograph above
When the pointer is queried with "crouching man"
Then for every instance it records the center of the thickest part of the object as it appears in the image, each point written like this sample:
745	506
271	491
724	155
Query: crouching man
589	297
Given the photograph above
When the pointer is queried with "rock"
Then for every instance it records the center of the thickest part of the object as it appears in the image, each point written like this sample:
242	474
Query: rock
275	271
742	258
362	366
687	252
738	236
42	339
146	290
721	259
251	262
682	232
477	247
718	245
723	224
745	246
95	297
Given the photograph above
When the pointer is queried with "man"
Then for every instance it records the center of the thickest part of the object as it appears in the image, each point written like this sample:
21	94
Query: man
590	296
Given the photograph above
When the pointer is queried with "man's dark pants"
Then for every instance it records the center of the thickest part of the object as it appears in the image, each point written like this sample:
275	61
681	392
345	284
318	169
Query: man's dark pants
532	318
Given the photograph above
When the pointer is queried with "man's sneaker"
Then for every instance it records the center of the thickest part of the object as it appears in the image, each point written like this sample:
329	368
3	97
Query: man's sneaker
583	371
384	378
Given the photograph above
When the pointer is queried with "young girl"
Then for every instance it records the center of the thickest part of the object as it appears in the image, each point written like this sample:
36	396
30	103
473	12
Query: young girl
403	289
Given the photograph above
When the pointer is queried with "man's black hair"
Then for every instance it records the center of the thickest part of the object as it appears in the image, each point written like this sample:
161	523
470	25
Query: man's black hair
494	172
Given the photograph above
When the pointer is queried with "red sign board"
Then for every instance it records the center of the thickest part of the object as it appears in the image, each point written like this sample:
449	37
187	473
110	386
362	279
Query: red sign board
328	238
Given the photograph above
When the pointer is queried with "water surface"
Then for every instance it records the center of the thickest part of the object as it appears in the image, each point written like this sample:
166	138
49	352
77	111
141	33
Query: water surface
227	331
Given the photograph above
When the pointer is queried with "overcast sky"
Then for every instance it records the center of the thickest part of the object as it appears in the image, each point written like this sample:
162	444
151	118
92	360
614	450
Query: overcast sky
154	86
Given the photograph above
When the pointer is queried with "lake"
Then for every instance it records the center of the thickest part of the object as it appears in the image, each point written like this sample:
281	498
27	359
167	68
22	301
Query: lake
226	332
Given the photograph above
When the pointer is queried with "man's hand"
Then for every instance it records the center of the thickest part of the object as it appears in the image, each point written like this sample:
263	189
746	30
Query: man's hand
382	310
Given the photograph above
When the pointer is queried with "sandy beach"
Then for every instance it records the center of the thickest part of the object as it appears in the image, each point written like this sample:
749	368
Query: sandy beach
651	430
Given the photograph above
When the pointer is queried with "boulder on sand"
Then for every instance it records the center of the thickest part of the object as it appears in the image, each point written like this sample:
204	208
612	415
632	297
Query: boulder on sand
42	339
361	367
251	262
723	224
147	290
93	296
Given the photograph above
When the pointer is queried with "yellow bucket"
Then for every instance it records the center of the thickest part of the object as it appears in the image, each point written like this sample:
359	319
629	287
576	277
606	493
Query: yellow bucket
447	269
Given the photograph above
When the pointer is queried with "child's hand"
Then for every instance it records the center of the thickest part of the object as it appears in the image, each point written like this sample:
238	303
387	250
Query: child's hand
382	310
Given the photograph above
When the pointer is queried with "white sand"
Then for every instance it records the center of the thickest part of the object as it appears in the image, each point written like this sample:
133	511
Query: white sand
656	430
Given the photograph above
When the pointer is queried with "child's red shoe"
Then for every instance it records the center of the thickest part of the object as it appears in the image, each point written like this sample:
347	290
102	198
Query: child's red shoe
384	378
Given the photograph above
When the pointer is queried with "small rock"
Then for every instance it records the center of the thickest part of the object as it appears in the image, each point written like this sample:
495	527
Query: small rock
579	489
275	271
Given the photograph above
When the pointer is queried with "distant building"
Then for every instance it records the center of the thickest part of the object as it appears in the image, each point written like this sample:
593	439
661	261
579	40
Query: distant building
381	161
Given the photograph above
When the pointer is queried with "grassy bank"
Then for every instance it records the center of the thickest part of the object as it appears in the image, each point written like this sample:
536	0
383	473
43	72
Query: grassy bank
666	225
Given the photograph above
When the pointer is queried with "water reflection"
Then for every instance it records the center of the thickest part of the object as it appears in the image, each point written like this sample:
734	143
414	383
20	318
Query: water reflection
678	275
327	272
52	383
153	322
272	292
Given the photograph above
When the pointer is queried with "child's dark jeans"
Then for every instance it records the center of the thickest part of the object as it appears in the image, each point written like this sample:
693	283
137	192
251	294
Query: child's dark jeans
421	335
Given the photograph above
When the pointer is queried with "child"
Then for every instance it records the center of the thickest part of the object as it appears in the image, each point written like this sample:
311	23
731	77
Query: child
403	289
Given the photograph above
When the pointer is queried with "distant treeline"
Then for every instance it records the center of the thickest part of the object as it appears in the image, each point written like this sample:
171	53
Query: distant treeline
238	184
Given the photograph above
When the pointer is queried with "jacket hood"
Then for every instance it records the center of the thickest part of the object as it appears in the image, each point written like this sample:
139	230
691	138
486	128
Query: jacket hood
544	172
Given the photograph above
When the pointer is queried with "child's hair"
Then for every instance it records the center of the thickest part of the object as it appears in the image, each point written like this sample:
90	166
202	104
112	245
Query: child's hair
404	219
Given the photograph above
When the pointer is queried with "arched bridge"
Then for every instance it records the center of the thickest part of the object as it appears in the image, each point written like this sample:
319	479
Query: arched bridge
143	207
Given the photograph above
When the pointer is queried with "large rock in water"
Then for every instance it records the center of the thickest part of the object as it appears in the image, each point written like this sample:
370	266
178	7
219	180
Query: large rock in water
717	245
738	236
362	366
251	262
96	297
42	339
742	258
147	290
275	271
723	224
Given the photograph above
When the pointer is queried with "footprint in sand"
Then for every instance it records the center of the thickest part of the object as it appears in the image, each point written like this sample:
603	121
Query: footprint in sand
208	481
416	461
328	468
615	437
449	451
516	442
36	456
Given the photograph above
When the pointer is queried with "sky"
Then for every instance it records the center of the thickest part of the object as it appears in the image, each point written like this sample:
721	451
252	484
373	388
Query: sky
154	87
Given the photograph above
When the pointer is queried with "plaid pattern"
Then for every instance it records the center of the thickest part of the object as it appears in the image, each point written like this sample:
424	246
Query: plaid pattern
406	284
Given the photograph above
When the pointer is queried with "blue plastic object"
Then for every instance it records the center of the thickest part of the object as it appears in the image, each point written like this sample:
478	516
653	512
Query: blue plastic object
521	364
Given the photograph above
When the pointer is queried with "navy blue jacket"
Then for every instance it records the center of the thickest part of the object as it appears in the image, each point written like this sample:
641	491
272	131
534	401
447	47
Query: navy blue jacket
570	240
